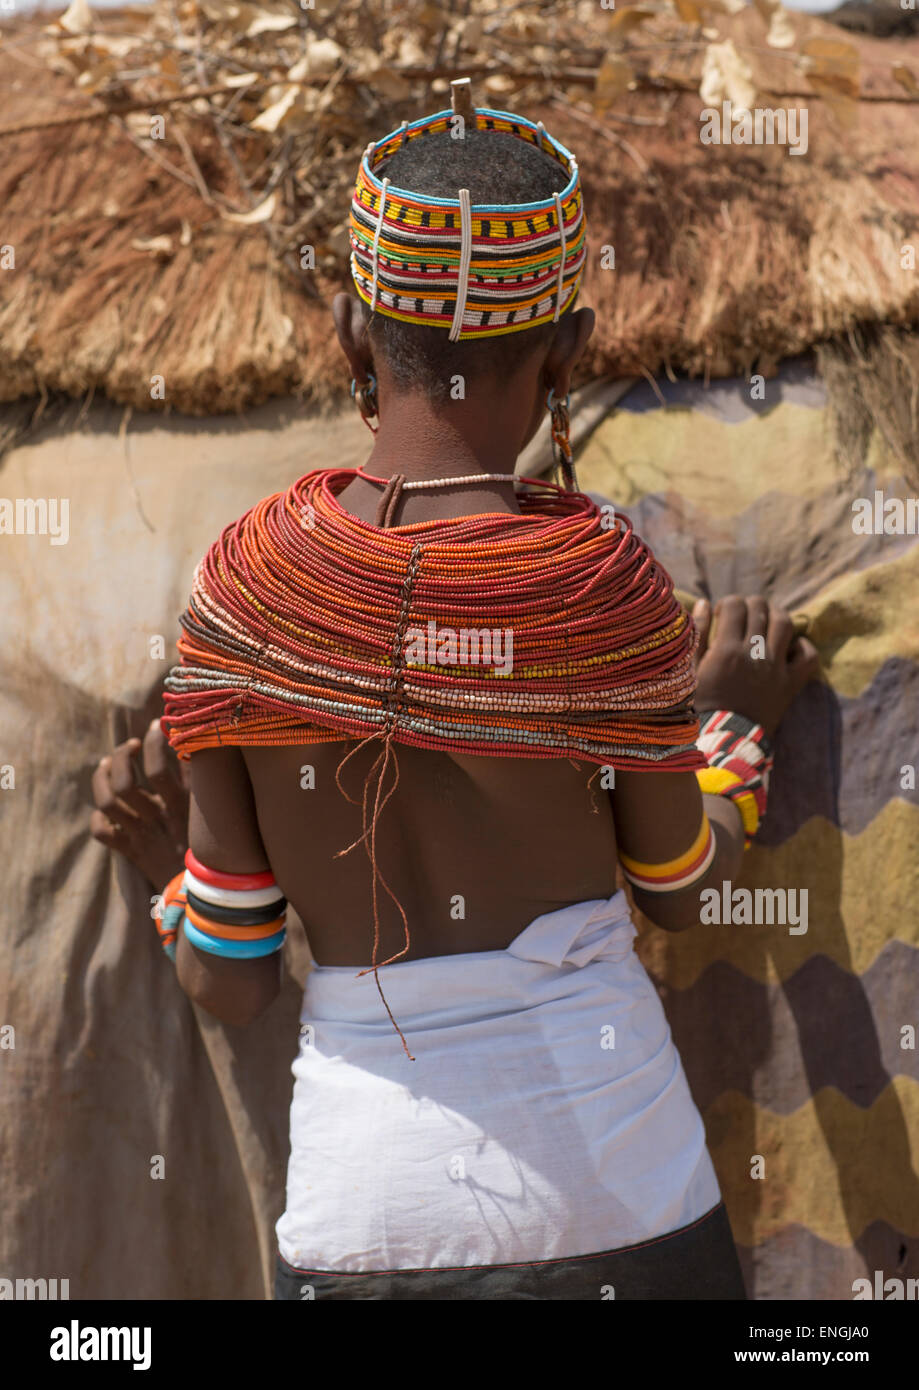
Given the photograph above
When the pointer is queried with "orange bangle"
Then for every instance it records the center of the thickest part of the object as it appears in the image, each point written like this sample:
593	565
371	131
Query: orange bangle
233	933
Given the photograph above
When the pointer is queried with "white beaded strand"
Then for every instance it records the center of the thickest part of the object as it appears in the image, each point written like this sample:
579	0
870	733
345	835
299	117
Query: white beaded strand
376	243
465	258
561	264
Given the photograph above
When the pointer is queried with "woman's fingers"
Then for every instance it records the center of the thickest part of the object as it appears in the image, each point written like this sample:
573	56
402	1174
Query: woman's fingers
105	796
162	772
781	633
757	618
731	616
107	832
702	617
123	777
147	826
121	802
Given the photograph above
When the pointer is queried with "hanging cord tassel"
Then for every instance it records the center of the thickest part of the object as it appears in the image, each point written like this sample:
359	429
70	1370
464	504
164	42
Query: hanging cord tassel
368	836
384	502
594	807
387	505
368	839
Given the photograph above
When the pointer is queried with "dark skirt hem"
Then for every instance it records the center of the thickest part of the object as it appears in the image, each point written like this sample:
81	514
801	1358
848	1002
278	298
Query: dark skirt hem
698	1261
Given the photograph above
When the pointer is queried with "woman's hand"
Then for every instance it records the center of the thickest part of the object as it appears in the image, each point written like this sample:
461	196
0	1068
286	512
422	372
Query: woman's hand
148	825
756	678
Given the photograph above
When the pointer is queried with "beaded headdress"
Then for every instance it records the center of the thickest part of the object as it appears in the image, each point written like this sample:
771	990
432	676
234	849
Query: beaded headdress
477	270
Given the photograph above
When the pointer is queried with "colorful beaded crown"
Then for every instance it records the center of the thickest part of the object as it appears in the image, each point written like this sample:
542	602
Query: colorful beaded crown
477	270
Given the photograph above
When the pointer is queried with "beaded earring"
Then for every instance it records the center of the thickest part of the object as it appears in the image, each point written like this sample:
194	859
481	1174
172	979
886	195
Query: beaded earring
366	399
561	440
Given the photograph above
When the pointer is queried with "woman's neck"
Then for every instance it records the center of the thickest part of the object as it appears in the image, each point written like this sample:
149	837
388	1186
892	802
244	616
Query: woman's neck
422	439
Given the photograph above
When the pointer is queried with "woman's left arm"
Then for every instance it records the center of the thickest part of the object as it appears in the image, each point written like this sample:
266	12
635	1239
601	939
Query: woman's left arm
223	833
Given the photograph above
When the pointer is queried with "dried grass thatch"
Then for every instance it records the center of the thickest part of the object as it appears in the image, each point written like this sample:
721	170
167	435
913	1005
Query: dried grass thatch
180	258
872	379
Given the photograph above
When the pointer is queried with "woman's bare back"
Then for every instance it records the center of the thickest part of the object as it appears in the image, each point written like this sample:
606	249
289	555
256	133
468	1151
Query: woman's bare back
473	847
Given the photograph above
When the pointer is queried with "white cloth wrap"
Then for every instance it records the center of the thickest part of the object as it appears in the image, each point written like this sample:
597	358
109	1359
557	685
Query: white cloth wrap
519	1133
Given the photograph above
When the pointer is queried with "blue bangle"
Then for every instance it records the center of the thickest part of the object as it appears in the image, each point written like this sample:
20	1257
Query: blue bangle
242	950
172	919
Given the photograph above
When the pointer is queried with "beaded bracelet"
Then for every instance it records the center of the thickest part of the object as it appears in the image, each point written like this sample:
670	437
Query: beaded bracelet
739	756
239	916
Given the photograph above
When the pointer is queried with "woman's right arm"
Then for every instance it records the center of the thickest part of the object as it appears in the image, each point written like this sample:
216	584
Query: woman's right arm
754	666
657	817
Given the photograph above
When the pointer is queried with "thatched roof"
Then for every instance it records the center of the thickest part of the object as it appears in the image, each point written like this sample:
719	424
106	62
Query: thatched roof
131	261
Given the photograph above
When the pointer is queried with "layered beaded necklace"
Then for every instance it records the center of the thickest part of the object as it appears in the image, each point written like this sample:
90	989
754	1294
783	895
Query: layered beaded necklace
289	632
308	625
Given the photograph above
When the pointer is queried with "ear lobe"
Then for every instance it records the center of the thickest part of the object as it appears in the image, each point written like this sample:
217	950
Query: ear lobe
571	338
584	319
360	321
